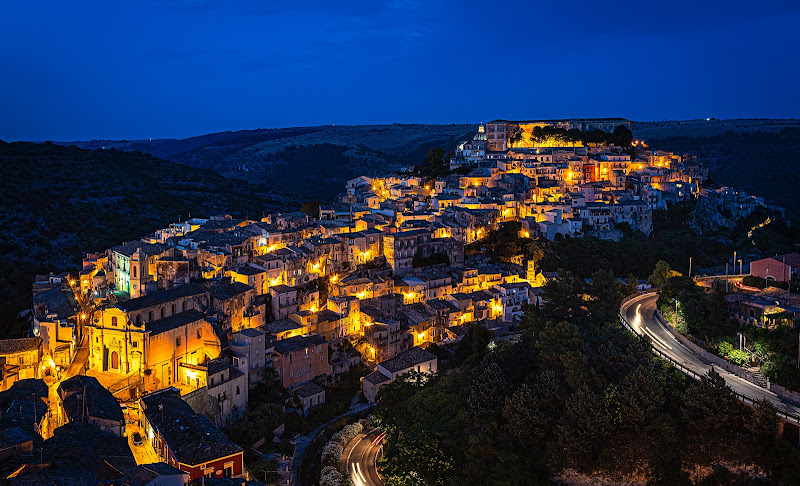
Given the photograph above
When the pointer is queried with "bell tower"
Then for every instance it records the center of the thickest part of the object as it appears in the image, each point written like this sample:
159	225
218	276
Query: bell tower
138	273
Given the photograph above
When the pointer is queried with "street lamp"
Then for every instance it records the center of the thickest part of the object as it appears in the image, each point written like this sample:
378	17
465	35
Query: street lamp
676	312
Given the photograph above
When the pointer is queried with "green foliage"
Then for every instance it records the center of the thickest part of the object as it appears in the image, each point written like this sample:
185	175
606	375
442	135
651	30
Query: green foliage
256	424
739	358
660	275
575	391
725	348
621	136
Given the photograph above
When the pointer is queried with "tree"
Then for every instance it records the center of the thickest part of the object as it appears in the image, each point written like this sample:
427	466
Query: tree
311	208
622	136
661	274
584	429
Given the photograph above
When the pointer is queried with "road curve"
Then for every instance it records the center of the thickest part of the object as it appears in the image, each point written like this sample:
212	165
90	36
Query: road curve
639	312
363	457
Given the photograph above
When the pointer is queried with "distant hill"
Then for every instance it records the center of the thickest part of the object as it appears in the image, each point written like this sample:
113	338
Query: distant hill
57	203
708	127
309	161
764	163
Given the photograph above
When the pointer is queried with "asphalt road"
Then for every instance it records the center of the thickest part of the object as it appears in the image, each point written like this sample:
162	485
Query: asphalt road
362	459
640	313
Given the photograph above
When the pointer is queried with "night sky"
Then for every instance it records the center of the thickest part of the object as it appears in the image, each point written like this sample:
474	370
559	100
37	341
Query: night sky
135	69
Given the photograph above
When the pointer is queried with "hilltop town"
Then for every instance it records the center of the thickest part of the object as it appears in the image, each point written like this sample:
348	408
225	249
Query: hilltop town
152	348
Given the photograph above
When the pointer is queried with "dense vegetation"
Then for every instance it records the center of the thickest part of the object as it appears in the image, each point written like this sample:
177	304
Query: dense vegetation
576	392
621	136
57	203
762	163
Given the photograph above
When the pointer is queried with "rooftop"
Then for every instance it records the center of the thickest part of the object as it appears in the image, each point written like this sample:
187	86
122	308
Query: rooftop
408	359
21	345
99	402
174	322
297	343
308	389
192	438
161	297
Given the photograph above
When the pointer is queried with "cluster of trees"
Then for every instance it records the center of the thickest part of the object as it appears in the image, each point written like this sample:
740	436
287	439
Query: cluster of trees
621	136
436	165
704	316
575	392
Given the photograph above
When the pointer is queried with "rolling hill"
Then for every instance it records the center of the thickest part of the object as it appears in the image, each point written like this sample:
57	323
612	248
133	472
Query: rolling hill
309	161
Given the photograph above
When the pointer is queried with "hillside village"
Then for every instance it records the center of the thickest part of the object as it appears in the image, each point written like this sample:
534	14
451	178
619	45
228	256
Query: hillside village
151	349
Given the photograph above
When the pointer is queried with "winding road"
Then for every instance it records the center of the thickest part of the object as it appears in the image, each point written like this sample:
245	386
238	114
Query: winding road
639	313
361	456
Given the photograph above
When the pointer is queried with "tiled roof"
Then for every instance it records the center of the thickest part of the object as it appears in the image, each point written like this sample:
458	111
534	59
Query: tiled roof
308	389
225	291
408	359
99	402
160	297
174	321
148	249
282	325
192	438
144	474
297	343
251	332
13	346
376	378
249	270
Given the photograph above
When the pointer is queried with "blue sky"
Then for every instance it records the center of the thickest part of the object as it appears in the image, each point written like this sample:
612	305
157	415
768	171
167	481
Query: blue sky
177	68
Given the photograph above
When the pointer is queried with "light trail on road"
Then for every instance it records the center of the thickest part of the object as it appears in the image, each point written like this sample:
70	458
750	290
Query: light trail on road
639	313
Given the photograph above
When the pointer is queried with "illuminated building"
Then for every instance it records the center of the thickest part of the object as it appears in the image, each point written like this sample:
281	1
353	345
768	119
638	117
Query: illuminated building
300	358
187	440
414	359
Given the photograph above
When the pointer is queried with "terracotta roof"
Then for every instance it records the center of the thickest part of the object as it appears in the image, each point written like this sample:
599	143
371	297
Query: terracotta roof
408	359
21	345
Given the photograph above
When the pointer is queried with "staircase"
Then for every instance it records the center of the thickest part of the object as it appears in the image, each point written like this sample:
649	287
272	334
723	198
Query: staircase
760	380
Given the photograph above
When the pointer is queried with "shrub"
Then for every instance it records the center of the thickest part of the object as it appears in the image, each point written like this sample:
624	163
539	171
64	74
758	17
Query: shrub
330	476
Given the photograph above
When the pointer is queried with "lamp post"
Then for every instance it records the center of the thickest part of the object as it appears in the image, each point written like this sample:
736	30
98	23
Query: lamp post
676	312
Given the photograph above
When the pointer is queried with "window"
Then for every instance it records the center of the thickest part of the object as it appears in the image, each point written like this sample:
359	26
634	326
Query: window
162	312
237	390
135	344
150	316
173	308
228	470
185	305
134	272
178	341
138	319
114	321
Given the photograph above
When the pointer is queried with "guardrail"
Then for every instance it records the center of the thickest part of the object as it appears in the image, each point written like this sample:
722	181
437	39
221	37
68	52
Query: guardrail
690	372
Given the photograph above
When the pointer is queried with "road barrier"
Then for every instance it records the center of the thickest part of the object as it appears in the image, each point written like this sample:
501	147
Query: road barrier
689	372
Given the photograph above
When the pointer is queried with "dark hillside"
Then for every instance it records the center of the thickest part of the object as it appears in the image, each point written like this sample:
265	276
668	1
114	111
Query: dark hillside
57	203
762	163
310	161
